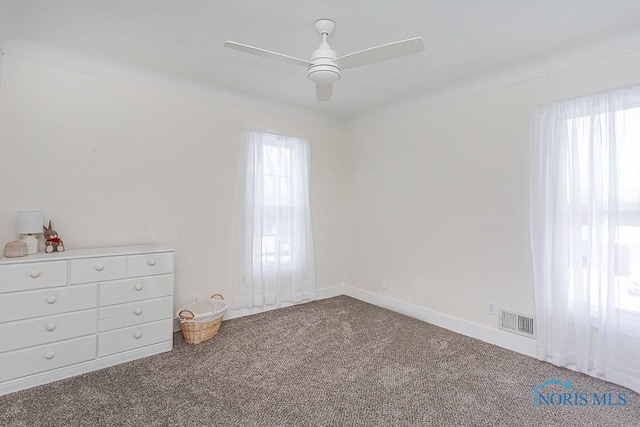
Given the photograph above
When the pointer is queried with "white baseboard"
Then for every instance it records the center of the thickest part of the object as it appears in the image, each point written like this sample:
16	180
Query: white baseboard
330	292
322	293
241	312
484	333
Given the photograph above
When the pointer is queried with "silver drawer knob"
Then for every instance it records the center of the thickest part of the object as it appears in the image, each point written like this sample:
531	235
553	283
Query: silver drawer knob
51	327
137	335
99	267
138	311
151	262
138	286
35	273
52	299
50	355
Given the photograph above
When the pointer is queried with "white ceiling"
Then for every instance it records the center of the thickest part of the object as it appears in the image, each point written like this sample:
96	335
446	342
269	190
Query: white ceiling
176	45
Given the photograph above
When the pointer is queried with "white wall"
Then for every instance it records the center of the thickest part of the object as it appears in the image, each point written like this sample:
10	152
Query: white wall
437	199
440	197
115	164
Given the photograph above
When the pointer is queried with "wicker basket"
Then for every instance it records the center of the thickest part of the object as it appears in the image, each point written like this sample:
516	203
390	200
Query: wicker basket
201	320
15	249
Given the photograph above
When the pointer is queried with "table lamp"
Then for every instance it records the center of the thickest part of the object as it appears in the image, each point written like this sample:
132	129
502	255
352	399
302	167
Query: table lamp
30	223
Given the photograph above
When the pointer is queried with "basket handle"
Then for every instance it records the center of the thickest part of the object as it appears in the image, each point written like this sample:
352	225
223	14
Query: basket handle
184	317
217	295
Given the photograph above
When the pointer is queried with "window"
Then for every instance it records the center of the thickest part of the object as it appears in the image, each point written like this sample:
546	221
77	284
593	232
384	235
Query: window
585	234
624	214
274	166
272	258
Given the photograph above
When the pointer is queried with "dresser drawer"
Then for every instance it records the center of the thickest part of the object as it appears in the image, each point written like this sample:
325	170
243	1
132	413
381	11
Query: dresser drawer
123	315
20	277
88	270
130	290
134	337
149	264
23	305
42	330
19	363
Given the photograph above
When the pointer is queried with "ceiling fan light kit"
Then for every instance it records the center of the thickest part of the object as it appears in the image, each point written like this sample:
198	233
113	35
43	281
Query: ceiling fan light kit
323	73
325	67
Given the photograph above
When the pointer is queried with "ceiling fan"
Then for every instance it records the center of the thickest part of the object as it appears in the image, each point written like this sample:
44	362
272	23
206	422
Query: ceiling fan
325	67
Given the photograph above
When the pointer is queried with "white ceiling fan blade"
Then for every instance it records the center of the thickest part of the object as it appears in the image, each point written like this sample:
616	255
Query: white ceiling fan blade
381	53
323	92
266	53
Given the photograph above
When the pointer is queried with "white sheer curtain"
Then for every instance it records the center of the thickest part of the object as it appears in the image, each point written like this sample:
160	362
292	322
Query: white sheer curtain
272	258
585	234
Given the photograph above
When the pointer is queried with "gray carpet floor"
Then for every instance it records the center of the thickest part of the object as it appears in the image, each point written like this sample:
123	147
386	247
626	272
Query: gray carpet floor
335	362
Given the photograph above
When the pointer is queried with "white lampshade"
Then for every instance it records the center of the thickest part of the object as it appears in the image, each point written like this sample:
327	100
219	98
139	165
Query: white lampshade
30	222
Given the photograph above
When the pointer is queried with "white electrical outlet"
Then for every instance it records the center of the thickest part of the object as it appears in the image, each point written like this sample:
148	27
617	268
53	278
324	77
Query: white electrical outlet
492	308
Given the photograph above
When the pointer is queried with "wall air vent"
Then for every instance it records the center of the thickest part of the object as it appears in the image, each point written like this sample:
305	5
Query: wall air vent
517	323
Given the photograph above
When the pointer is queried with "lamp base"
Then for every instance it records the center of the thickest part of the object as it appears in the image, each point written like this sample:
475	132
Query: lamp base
32	244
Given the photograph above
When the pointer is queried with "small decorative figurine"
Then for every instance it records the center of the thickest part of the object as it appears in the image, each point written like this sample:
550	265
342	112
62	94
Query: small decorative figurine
53	243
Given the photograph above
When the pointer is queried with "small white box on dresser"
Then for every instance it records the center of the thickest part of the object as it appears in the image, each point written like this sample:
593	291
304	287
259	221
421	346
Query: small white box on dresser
68	313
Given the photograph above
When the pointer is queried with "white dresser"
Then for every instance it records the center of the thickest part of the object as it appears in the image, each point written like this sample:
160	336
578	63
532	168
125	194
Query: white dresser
68	313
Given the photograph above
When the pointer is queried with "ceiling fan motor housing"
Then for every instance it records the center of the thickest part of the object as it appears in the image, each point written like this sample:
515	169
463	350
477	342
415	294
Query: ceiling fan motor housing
323	68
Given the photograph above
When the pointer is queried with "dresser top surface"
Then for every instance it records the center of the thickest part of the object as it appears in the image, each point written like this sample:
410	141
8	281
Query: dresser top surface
87	253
